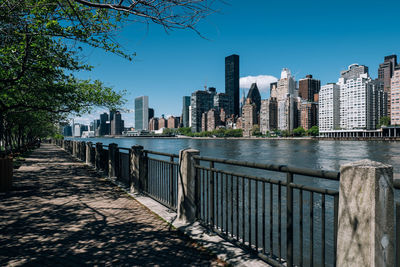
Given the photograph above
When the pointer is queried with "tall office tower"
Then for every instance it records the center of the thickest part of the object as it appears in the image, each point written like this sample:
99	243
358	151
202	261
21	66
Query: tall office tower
77	130
268	115
385	74
232	83
96	127
151	113
153	124
142	113
354	71
103	124
201	101
204	121
242	101
116	124
273	87
254	95
308	87
329	107
185	111
112	112
221	104
67	130
395	98
286	97
249	117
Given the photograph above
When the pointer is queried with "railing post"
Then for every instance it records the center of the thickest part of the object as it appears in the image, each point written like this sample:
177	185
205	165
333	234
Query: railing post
289	220
88	152
99	148
187	205
82	145
366	215
171	181
143	172
74	148
212	196
135	179
113	153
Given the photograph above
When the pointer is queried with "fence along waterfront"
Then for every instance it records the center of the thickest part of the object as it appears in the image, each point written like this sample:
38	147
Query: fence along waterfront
284	222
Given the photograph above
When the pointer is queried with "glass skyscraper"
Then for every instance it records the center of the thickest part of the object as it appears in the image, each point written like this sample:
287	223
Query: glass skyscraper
142	113
232	83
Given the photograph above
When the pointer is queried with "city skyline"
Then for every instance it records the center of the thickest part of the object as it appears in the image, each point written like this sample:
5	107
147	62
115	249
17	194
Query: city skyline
306	37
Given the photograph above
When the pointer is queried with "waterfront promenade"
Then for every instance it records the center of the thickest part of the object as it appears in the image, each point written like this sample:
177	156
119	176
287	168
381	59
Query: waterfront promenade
60	212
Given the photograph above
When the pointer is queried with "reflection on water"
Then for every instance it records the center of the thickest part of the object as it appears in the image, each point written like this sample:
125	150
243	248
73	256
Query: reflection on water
316	154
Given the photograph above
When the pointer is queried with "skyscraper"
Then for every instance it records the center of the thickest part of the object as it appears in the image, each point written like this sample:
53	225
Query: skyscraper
116	124
200	102
249	116
255	97
268	115
286	98
232	83
308	87
385	74
329	113
395	99
103	124
142	113
185	111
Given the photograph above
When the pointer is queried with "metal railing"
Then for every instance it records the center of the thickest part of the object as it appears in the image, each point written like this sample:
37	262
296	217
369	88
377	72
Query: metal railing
162	178
258	212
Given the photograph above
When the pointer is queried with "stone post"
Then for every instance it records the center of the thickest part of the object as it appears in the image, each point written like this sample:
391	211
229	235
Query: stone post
82	150
187	204
134	181
74	148
99	148
89	153
113	160
366	215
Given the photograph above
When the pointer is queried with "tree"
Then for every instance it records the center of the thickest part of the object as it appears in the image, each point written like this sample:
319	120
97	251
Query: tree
313	131
299	131
384	121
256	130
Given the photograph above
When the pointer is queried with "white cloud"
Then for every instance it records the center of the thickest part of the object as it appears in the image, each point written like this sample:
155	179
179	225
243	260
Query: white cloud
263	82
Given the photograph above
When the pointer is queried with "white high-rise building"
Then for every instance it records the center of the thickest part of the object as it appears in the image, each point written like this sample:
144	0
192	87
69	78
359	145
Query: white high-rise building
286	93
359	102
329	107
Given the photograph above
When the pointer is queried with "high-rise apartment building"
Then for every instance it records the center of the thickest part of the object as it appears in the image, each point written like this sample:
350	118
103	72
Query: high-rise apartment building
173	122
268	115
162	123
354	71
329	107
308	112
142	113
308	87
153	124
213	119
395	97
185	111
359	102
286	97
385	74
201	101
232	83
249	117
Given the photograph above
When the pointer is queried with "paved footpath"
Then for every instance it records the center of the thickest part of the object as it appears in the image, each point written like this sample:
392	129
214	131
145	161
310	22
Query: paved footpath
61	213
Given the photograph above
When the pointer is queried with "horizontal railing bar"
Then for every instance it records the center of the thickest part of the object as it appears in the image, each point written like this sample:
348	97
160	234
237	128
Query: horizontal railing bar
161	153
124	148
159	200
165	161
315	190
254	178
331	175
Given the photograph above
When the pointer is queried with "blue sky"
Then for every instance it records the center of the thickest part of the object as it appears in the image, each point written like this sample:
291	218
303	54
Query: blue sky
309	37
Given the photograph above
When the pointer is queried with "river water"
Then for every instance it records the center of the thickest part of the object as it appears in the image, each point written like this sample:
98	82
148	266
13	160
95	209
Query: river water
315	154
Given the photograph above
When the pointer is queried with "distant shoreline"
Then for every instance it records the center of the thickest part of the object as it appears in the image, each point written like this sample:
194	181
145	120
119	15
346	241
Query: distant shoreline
260	138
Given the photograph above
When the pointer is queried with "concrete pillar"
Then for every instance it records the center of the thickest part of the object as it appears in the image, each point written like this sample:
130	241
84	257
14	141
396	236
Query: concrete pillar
89	153
135	177
82	145
187	204
99	148
113	160
74	148
366	215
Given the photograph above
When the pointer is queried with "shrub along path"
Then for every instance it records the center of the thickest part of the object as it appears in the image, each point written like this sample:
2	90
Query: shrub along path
60	212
